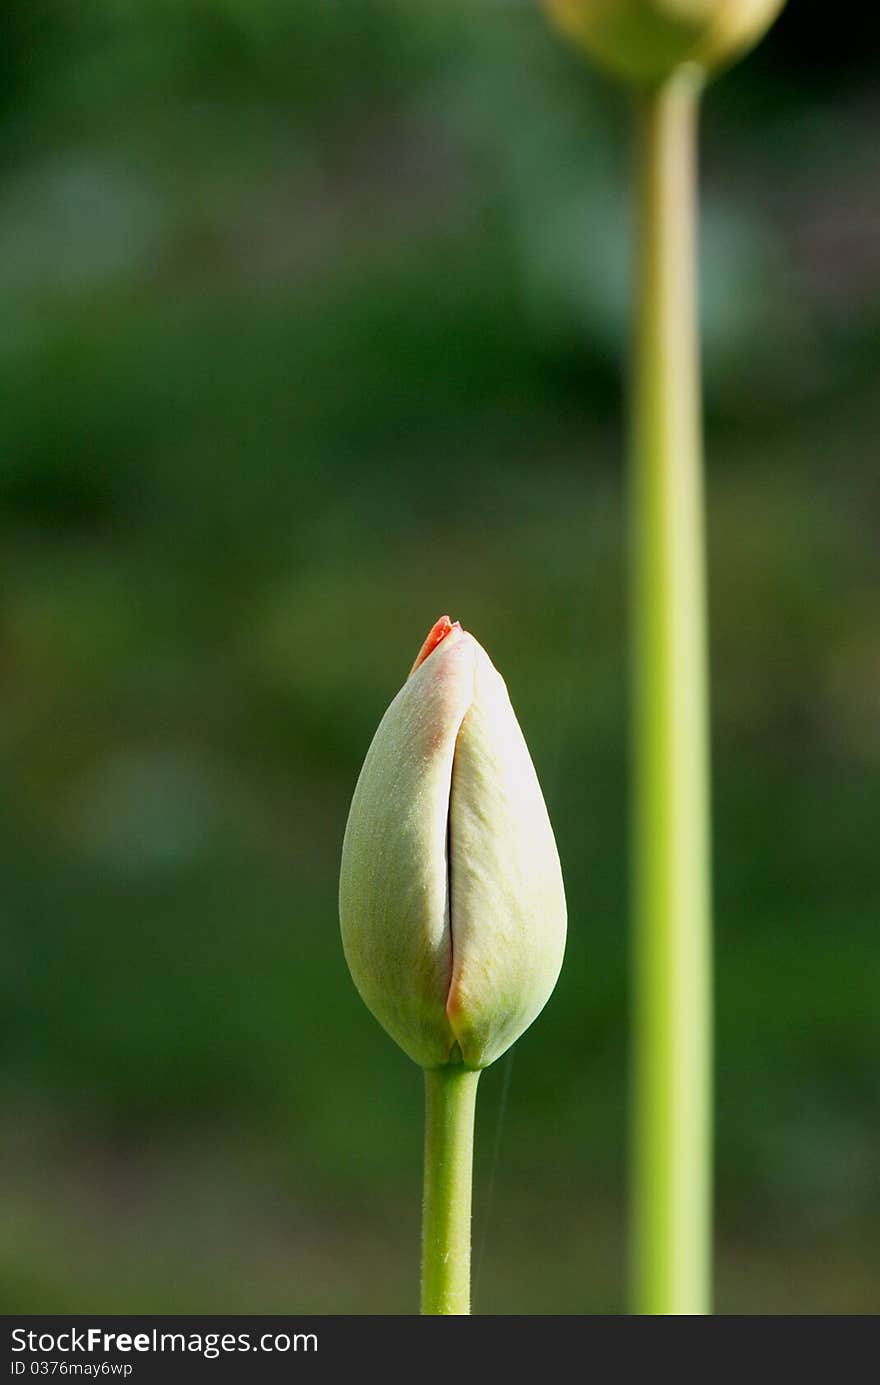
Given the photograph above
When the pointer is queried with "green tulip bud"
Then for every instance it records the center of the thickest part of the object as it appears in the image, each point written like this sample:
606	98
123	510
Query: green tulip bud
451	897
644	41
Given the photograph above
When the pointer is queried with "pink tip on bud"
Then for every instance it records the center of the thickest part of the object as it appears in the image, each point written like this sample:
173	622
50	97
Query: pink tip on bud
437	633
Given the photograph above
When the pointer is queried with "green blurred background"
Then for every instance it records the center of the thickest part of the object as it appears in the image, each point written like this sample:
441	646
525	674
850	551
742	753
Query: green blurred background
313	323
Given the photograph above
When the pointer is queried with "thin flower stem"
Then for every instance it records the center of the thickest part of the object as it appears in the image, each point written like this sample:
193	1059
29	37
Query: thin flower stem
671	1119
450	1105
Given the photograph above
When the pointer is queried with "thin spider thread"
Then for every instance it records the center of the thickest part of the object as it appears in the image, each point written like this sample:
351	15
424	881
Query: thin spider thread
496	1155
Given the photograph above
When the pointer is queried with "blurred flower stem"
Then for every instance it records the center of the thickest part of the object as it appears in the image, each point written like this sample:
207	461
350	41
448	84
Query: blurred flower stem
450	1105
672	1040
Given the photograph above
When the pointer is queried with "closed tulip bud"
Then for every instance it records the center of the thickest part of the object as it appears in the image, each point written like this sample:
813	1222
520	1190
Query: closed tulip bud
644	41
451	897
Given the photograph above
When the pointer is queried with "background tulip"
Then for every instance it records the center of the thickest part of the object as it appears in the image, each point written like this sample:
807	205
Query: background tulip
645	40
451	904
665	49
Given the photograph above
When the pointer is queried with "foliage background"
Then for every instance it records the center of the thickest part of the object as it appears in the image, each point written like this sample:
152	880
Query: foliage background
313	327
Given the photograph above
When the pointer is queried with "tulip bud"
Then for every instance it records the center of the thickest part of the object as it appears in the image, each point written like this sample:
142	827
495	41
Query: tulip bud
451	898
644	41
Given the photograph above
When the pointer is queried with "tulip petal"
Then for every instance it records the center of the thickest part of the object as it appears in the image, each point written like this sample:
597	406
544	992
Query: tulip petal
393	895
437	633
507	897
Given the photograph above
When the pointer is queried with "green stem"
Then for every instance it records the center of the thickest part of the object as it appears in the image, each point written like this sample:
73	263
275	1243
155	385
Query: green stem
450	1104
671	1128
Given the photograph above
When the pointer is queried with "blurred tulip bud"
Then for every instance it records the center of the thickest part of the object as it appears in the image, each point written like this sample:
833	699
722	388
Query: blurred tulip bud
644	41
451	897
